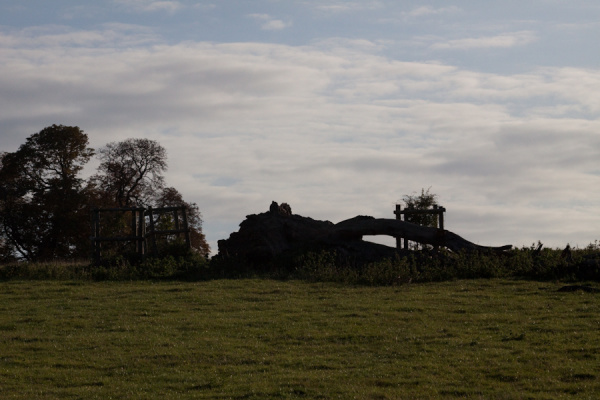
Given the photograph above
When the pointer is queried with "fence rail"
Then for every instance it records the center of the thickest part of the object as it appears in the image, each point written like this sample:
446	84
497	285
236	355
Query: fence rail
141	233
407	212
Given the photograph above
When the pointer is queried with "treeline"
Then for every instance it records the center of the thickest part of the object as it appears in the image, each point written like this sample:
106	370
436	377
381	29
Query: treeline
45	204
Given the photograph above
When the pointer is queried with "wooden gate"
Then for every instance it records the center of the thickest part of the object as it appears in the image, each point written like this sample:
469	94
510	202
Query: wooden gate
143	228
407	212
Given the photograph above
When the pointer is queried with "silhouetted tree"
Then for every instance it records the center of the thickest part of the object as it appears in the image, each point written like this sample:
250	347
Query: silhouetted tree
170	197
43	211
45	206
131	172
424	201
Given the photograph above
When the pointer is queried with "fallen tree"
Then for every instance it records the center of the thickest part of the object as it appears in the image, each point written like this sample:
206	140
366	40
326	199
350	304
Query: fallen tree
264	236
356	228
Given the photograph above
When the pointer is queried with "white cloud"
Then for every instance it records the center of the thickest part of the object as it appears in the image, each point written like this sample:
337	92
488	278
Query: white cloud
504	40
335	129
169	6
204	6
270	24
337	6
52	36
429	10
275	25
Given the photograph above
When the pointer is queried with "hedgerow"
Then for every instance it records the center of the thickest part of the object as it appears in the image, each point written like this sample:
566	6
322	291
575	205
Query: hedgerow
428	265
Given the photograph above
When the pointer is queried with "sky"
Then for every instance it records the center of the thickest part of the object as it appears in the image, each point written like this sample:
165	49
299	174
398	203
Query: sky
339	108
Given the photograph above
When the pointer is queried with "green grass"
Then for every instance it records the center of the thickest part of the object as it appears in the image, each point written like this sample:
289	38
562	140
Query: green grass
257	339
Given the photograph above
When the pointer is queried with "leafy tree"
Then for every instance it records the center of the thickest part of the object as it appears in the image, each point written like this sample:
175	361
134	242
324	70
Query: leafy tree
131	172
7	249
43	211
170	197
424	201
45	206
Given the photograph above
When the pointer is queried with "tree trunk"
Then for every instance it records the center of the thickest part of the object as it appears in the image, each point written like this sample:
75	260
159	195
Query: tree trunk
263	236
356	228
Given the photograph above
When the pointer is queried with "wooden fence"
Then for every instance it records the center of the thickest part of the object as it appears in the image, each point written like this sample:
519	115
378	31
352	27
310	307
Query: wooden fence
143	228
408	212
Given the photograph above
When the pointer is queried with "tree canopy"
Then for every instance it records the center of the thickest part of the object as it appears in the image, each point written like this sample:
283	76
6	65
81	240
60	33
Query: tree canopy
42	198
423	201
170	197
45	204
131	171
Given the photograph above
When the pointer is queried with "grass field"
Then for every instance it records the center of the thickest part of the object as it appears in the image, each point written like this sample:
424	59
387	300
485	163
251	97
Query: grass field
261	339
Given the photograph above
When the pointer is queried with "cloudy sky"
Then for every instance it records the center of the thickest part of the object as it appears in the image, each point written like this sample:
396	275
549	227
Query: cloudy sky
339	108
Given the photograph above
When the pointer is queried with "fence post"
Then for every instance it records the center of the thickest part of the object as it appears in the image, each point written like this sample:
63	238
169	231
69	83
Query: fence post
185	226
141	231
176	220
134	227
406	219
437	220
398	217
93	235
97	243
152	231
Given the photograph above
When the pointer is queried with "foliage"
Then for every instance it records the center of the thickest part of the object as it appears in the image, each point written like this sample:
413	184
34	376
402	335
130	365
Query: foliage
176	261
131	171
45	205
424	201
46	271
43	213
264	339
131	174
428	265
170	197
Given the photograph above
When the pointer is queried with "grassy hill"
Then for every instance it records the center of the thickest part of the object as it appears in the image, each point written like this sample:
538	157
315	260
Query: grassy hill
250	338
